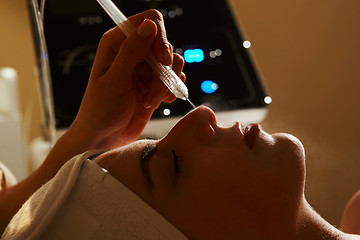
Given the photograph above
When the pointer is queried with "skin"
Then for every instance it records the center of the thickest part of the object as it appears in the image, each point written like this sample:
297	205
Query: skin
231	182
350	221
224	189
121	95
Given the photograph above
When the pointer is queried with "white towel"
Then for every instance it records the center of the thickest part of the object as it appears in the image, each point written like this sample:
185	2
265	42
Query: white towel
83	201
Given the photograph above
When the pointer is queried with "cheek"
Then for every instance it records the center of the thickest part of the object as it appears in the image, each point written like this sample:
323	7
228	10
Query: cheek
275	176
213	176
205	135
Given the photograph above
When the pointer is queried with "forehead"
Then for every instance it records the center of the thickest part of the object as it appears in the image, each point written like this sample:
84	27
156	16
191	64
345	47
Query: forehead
132	148
124	164
122	157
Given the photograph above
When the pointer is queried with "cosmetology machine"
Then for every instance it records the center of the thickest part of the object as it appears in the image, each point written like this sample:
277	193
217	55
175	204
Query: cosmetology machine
11	128
219	69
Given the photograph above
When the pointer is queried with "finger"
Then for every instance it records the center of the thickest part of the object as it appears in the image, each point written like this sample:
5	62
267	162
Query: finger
133	49
178	64
156	92
107	50
143	72
162	48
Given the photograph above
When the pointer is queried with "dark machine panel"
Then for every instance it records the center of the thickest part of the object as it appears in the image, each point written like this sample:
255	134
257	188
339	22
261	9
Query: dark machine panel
218	67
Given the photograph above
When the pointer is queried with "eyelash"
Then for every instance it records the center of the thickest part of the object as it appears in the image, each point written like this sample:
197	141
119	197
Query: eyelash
176	162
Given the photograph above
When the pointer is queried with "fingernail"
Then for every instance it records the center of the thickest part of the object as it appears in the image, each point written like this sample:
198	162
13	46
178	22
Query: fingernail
145	29
168	56
147	103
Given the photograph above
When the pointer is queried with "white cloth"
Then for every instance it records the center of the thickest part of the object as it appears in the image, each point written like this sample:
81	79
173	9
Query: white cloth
83	201
7	178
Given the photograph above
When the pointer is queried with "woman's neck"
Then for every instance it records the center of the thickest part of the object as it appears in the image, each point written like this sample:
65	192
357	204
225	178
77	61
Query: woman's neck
310	226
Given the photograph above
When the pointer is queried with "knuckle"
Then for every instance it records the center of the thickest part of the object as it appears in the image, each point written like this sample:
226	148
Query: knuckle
154	15
107	34
180	58
107	37
111	39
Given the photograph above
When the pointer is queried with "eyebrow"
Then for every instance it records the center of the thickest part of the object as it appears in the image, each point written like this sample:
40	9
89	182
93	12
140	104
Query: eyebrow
146	154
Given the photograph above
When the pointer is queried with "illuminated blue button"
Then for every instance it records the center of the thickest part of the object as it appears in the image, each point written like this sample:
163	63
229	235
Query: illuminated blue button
209	86
194	55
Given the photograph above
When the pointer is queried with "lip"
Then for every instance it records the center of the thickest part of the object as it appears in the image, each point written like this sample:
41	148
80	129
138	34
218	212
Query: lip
251	134
239	128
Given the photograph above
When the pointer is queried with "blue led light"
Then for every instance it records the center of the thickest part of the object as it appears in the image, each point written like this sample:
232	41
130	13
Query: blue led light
194	55
209	86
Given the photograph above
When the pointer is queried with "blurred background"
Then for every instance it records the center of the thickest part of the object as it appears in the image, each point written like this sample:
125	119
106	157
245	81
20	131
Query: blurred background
308	56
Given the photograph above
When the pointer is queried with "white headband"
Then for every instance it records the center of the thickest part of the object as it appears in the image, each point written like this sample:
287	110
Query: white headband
83	201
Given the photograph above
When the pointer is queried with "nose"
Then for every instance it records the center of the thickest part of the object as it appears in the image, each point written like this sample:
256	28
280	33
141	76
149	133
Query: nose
199	124
201	112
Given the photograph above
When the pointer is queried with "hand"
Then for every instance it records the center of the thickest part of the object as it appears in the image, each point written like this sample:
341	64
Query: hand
123	91
119	100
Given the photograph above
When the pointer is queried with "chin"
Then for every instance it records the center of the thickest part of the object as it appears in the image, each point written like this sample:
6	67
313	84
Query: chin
290	144
292	168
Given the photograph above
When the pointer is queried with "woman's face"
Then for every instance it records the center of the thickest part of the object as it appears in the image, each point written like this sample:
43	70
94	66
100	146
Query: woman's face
208	179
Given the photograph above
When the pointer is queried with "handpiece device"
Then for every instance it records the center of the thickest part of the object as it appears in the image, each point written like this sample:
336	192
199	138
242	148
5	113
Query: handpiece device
166	74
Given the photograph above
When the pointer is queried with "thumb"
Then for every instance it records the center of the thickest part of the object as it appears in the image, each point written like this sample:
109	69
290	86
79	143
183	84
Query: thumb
133	50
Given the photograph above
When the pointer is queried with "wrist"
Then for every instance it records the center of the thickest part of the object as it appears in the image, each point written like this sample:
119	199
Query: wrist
82	136
90	137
